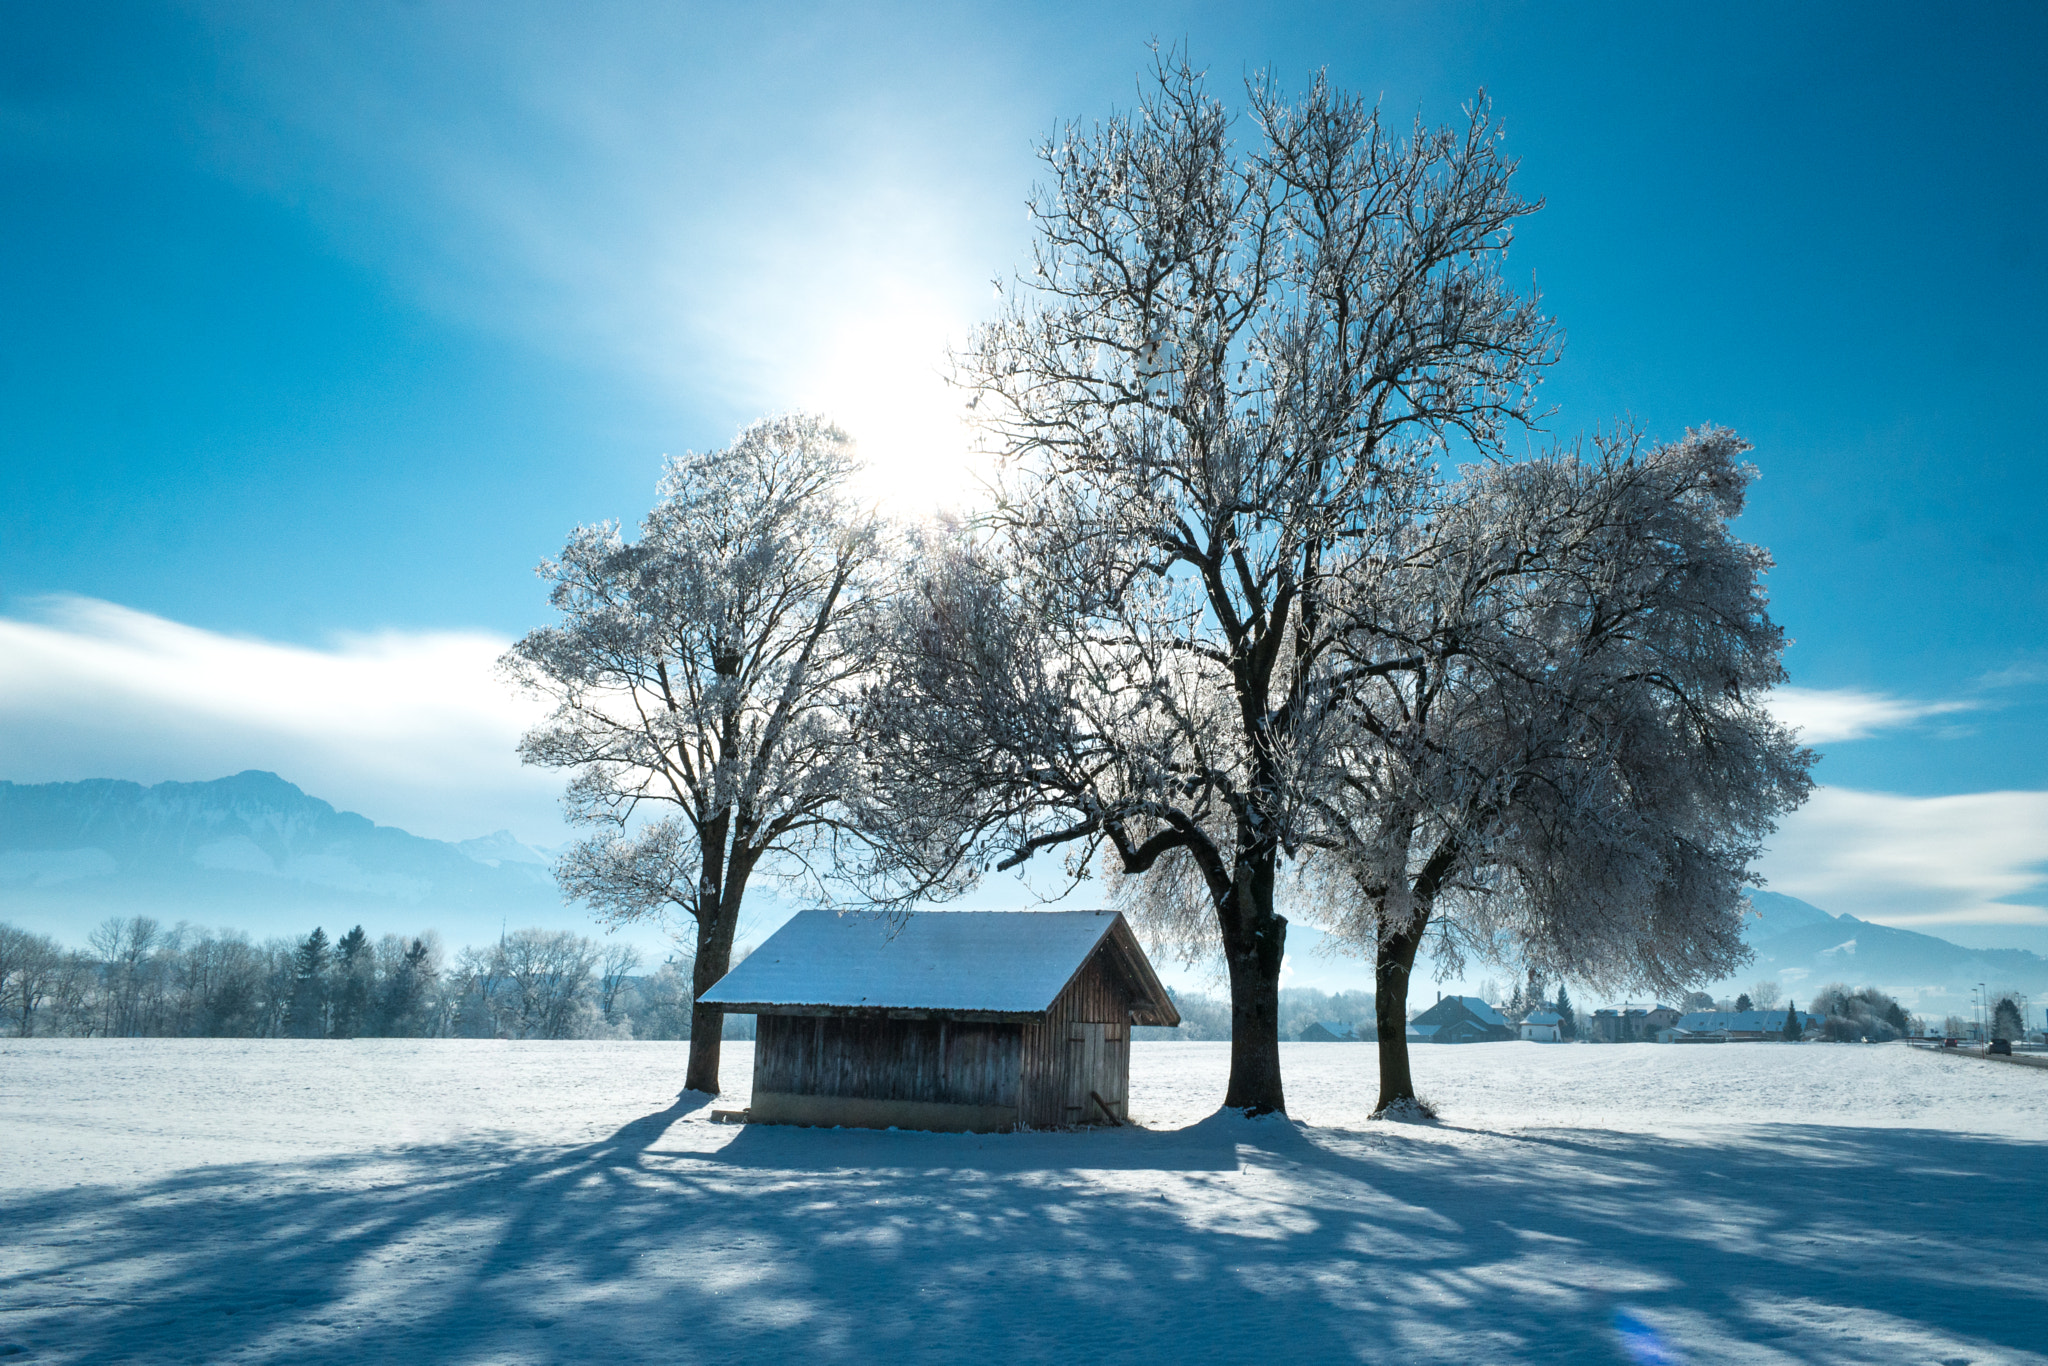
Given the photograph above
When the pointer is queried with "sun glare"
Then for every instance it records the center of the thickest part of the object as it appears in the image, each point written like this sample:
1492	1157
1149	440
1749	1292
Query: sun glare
883	377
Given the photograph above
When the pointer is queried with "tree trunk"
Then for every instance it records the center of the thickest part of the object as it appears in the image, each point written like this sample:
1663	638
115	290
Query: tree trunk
1254	943
707	1023
1390	1012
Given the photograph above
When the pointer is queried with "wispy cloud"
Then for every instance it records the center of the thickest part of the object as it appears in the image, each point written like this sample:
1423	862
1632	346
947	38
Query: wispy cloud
410	729
731	213
2023	674
1917	860
1823	715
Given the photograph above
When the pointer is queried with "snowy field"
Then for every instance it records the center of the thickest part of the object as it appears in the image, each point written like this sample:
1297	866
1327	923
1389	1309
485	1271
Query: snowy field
208	1201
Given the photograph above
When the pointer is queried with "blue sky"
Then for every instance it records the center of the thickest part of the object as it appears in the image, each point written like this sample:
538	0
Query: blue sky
325	323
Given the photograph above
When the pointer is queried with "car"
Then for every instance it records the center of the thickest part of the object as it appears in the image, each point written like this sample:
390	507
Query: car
2002	1047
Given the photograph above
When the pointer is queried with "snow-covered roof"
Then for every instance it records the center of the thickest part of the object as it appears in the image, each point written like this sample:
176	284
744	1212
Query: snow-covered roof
976	962
1766	1021
1486	1013
1543	1017
1416	1031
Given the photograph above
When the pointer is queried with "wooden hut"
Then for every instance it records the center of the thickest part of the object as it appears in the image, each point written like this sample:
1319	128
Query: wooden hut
974	1021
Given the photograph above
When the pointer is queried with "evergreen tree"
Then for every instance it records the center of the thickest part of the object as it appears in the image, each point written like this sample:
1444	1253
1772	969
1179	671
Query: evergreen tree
1567	1021
402	1008
2005	1020
354	971
1791	1022
308	1016
1742	1003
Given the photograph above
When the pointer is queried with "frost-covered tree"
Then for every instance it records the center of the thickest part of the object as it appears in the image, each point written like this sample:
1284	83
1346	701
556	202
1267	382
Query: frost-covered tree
661	1002
1864	1013
128	971
550	978
1220	383
615	965
30	967
1562	753
700	677
220	986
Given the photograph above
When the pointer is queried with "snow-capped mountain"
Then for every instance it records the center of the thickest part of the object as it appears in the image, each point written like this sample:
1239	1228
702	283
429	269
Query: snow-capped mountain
1801	947
256	853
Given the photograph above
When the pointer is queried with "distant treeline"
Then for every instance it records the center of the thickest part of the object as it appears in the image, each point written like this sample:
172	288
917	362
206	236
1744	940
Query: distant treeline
139	979
1208	1017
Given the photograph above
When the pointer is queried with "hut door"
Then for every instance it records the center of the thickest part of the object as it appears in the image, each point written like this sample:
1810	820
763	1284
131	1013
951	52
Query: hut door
1098	1065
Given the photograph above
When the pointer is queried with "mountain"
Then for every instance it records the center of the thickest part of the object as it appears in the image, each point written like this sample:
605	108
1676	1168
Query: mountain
1777	914
1802	947
255	853
501	848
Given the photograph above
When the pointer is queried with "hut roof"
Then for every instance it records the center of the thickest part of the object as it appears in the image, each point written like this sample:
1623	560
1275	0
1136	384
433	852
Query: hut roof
973	964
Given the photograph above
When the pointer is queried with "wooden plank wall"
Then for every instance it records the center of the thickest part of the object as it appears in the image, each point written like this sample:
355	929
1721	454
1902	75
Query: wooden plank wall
1083	1045
944	1061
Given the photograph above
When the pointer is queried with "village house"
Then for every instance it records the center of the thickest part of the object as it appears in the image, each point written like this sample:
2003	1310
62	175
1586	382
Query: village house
1459	1019
1329	1031
1542	1025
974	1021
1728	1026
1629	1023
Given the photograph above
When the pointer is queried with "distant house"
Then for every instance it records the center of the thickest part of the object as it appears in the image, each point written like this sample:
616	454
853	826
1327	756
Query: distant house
973	1021
1630	1023
1460	1019
1675	1034
1329	1031
1736	1026
1541	1026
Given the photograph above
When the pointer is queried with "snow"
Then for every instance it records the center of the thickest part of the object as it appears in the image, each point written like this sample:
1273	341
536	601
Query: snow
932	960
236	1201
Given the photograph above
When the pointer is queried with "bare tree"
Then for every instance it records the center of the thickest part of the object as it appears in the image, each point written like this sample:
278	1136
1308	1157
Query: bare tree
1221	383
1562	756
615	965
124	948
549	977
31	966
700	677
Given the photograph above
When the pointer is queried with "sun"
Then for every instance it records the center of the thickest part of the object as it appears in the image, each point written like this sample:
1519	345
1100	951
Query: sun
882	376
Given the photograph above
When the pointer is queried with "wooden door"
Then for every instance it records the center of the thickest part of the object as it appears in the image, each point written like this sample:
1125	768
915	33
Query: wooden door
1097	1067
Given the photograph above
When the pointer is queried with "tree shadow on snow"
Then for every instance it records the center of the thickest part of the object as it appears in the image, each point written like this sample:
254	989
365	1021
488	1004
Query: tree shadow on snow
677	1240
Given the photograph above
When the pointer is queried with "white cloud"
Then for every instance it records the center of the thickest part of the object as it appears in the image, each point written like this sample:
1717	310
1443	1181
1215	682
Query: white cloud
1822	715
1916	860
409	729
